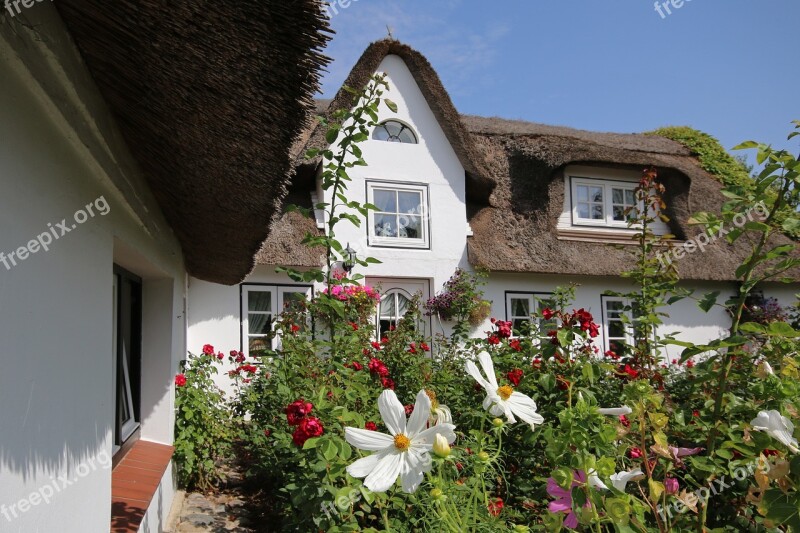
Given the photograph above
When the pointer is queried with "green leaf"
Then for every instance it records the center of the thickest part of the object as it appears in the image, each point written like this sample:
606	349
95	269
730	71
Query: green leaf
332	134
782	329
311	443
708	301
391	105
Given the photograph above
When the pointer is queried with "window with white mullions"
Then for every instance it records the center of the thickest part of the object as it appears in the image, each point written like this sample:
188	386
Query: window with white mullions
618	324
400	218
521	306
261	306
598	202
394	131
393	307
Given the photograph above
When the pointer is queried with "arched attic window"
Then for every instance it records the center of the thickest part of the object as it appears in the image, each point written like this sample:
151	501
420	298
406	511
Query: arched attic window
394	131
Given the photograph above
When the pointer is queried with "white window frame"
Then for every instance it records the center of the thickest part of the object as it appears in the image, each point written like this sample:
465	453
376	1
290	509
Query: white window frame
607	185
534	299
278	300
399	242
628	325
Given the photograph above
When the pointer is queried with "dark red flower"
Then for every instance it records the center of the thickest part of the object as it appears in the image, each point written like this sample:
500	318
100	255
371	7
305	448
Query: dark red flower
387	383
377	367
689	363
503	329
295	328
424	347
563	384
412	348
267	433
372	426
611	354
308	428
297	411
409	409
624	421
459	467
354	326
629	371
696	413
536	363
547	313
357	366
515	376
376	345
635	453
493	339
180	380
208	349
495	506
515	344
769	452
384	340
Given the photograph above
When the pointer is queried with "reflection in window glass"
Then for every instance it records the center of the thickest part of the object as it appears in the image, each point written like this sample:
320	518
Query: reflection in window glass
394	131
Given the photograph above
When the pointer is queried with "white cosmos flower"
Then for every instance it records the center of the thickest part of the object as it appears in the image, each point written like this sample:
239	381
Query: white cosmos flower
776	426
503	400
440	414
595	481
621	479
405	452
615	411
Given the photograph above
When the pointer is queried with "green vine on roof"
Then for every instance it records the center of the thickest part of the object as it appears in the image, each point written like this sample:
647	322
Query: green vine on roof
714	159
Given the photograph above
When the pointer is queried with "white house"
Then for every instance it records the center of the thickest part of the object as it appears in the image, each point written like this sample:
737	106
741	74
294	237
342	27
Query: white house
535	205
132	149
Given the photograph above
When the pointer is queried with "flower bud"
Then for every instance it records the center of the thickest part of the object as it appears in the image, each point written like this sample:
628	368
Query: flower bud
671	485
497	422
764	370
440	446
483	457
436	494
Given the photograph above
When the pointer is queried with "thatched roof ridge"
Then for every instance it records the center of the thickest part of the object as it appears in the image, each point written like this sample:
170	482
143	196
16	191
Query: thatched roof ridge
209	97
479	182
518	232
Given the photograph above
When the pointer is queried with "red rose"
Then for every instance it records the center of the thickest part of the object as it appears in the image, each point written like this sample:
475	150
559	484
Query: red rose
387	383
493	339
515	344
409	409
372	426
308	428
547	313
611	354
208	349
267	433
384	340
354	326
376	366
412	348
536	363
357	366
495	506
689	363
180	380
295	328
296	411
629	371
424	346
376	345
624	421
515	376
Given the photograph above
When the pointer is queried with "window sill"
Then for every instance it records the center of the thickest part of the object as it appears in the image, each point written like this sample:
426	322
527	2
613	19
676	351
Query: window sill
134	482
601	235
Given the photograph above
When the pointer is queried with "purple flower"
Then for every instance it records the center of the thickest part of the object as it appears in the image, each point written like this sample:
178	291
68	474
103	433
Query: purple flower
563	499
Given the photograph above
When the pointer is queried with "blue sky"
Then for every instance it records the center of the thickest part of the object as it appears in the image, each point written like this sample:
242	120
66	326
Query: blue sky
727	67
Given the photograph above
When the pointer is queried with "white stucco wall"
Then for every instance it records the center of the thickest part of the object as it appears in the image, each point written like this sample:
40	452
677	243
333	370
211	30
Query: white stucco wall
59	152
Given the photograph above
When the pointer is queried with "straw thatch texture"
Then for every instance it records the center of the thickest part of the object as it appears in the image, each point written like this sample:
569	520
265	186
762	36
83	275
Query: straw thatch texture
209	97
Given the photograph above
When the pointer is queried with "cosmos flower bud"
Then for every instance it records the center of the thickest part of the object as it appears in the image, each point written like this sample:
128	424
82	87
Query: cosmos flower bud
440	446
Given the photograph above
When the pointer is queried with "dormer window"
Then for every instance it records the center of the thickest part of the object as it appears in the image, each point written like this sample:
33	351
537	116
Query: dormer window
394	131
603	202
400	220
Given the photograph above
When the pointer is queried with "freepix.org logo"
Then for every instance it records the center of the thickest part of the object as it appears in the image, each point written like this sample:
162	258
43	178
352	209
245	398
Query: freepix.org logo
12	6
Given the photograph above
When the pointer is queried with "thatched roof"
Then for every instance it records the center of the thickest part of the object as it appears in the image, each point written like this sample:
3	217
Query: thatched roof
517	233
479	183
209	97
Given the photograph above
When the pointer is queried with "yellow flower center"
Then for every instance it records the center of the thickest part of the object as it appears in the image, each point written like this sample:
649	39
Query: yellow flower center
401	442
505	392
434	401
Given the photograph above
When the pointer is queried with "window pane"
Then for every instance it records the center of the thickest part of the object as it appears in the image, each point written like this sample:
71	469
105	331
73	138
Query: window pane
257	344
294	301
597	212
520	325
385	200
630	197
596	194
393	128
259	301
617	196
520	307
259	324
583	210
407	136
616	329
619	213
388	307
385	226
410	227
583	193
614	305
410	202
